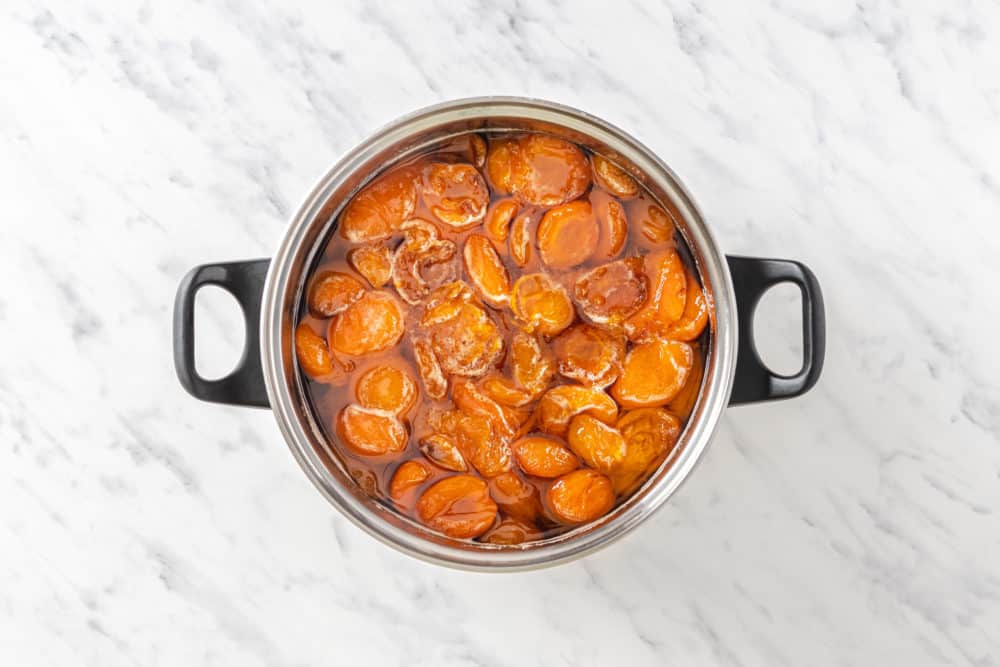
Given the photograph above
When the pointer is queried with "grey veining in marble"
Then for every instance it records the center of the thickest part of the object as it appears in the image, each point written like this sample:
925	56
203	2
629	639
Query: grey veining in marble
857	525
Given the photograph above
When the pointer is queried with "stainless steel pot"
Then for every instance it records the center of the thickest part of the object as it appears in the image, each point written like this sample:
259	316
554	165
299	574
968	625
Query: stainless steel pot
270	292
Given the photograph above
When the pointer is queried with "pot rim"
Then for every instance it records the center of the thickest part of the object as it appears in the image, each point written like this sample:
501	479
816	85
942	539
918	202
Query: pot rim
280	299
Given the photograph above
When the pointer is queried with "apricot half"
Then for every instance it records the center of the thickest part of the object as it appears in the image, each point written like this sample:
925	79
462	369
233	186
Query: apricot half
380	208
423	261
613	178
386	388
474	435
589	355
498	219
455	193
649	434
459	506
567	234
695	316
408	476
611	293
613	223
653	374
547	171
600	446
515	496
560	404
667	296
532	365
312	352
374	262
544	456
370	432
541	305
486	270
510	531
332	292
520	239
580	496
435	382
465	340
371	324
444	452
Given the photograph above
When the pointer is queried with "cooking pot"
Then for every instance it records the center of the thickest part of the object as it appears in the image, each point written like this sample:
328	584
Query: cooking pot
270	292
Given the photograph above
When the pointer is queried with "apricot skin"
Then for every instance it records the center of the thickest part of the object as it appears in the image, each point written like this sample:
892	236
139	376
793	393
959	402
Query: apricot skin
580	496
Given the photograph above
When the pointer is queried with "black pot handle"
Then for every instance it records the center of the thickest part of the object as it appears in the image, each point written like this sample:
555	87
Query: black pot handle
751	278
245	281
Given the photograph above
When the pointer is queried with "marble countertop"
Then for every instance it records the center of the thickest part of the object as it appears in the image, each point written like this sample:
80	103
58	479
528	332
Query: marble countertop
857	525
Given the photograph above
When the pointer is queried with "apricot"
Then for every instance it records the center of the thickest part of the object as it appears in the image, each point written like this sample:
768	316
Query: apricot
544	456
443	302
459	506
386	388
547	171
520	239
567	234
380	208
653	374
498	165
370	432
666	296
486	270
560	404
444	452
683	403
374	262
655	225
312	352
435	383
332	292
541	305
465	340
612	221
580	496
611	293
371	324
591	356
408	476
505	392
477	149
515	496
472	400
650	434
455	193
474	435
510	531
613	178
695	316
423	261
532	365
498	219
600	446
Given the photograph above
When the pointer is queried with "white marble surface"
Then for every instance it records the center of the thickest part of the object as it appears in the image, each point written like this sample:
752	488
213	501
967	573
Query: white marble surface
858	525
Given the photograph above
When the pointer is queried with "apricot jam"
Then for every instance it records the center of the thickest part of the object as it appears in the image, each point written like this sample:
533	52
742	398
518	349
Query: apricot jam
503	338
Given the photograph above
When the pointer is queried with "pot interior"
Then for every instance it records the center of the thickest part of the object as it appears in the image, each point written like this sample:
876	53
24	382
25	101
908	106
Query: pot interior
316	222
